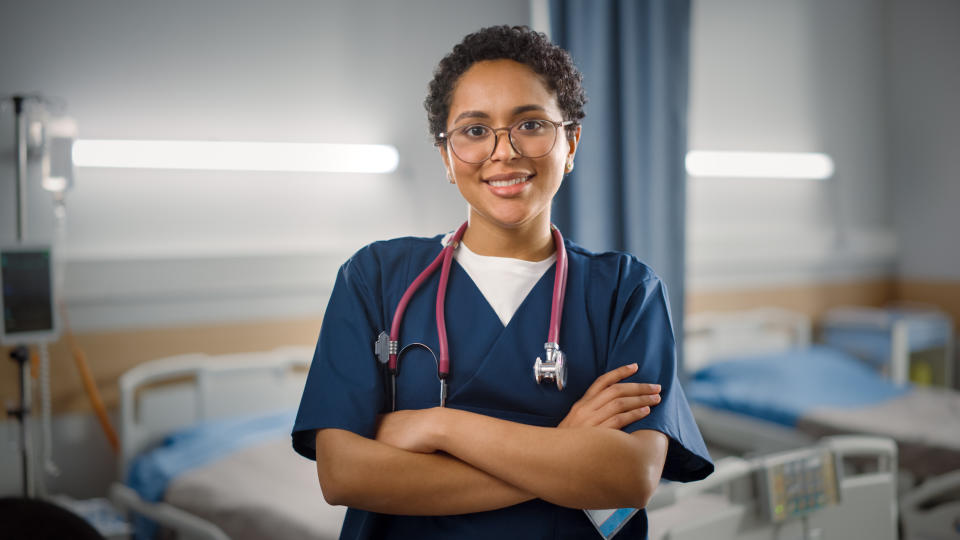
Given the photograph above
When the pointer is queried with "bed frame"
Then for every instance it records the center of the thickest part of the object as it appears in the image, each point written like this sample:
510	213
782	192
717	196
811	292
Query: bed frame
712	335
929	509
166	394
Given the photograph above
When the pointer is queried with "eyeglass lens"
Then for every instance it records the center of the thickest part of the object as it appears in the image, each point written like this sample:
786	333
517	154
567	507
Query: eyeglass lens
530	138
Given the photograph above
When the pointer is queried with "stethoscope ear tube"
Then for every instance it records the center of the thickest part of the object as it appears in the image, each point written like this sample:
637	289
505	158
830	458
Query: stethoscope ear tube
553	368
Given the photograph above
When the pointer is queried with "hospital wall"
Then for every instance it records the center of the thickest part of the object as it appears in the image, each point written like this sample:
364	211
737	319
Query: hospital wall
923	133
872	84
165	262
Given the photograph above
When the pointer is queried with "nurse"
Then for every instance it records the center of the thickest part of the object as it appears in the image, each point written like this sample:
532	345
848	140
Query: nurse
507	457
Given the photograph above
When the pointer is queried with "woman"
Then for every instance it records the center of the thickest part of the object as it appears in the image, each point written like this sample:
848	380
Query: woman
506	456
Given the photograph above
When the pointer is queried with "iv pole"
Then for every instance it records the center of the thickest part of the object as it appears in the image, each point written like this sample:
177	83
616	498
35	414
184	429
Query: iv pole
21	354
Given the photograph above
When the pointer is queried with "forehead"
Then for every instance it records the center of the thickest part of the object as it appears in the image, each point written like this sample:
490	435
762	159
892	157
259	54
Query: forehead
497	87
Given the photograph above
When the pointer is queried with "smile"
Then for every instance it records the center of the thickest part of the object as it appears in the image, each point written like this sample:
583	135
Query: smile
505	183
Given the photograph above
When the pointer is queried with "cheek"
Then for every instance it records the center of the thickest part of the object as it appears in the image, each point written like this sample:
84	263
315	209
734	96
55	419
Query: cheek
557	160
461	169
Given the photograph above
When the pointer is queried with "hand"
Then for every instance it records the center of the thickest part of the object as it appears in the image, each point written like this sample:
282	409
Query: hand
408	430
608	403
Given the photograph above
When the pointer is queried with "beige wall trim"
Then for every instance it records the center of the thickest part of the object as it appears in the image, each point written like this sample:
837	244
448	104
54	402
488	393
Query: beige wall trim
811	299
109	354
112	353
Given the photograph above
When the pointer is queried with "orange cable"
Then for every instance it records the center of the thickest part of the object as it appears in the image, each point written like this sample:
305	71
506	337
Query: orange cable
90	385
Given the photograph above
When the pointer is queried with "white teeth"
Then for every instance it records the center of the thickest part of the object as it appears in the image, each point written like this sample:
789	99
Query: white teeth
504	183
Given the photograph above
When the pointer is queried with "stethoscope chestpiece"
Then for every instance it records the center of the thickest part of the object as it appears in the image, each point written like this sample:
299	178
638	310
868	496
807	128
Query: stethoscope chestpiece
554	368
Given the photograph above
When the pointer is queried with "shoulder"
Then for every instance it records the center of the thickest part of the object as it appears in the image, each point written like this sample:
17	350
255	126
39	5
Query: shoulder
398	248
618	269
390	256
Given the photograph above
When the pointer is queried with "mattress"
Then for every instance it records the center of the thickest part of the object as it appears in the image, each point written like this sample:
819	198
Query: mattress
821	391
240	474
265	491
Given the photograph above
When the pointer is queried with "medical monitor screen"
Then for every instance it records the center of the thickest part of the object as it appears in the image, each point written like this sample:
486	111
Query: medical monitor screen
27	292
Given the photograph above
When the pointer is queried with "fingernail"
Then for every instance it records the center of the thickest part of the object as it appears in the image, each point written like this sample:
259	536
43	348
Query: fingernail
634	365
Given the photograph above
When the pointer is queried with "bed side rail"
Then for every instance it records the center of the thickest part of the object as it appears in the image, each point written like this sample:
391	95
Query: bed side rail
188	526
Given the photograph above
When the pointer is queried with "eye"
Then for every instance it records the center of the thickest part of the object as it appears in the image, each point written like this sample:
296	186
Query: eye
530	126
475	131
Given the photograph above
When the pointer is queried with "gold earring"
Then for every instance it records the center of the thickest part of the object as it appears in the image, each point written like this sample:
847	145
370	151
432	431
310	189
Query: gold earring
569	165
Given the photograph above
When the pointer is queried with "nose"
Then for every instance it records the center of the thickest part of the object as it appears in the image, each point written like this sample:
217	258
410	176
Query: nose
503	149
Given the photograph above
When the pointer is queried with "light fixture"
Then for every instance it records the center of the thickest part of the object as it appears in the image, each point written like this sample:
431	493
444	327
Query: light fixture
808	165
236	156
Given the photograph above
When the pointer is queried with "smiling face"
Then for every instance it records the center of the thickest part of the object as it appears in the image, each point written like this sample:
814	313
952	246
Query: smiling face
507	191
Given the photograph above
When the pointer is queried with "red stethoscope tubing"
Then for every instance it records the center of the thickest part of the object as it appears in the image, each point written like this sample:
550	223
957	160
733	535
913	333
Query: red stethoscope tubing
444	260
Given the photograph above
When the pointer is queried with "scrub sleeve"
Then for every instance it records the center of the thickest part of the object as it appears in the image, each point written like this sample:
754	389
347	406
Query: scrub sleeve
344	387
644	335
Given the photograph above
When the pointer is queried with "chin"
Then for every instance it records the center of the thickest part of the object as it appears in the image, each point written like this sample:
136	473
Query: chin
510	222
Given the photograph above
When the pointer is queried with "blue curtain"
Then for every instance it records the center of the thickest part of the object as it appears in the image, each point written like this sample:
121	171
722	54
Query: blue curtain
628	188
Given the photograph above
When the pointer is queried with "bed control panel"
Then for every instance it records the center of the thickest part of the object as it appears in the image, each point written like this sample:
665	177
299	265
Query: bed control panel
796	483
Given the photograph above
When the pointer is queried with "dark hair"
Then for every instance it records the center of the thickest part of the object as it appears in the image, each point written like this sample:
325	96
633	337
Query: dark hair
518	43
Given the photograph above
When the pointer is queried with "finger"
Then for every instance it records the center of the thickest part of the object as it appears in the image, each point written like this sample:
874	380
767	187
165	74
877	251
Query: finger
609	378
624	404
626	418
619	390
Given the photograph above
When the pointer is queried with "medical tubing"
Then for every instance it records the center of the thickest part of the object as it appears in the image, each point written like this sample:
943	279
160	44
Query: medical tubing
443	363
559	286
46	430
405	299
86	376
402	306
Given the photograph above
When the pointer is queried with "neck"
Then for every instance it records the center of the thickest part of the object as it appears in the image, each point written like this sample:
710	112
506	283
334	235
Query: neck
531	241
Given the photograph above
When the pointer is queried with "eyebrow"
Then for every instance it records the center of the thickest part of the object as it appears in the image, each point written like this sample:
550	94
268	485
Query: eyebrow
480	114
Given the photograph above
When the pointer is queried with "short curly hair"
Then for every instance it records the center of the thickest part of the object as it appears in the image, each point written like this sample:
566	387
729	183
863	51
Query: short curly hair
517	43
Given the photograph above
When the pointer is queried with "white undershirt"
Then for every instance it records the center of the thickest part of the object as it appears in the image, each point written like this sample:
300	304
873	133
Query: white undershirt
504	281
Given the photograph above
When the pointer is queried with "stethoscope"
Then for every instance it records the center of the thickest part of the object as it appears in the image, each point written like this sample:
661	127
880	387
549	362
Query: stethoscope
553	369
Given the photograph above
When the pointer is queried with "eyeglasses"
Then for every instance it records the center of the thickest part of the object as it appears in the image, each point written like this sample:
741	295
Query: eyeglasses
531	138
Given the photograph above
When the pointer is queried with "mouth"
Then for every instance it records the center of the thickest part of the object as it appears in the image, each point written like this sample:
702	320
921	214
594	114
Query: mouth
507	180
505	183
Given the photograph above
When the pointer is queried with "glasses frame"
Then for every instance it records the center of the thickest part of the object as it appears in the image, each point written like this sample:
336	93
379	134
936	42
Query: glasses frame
445	136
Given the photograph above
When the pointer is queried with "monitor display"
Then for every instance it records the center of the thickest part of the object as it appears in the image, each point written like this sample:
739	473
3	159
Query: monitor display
28	307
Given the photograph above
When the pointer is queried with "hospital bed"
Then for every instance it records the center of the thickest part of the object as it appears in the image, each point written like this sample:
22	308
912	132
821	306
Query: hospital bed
841	487
205	449
907	343
756	385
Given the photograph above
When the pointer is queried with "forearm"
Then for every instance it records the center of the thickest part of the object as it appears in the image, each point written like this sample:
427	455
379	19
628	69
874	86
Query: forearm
588	467
367	474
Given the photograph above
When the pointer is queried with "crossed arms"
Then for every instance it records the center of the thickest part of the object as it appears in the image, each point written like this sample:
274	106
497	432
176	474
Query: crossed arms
447	461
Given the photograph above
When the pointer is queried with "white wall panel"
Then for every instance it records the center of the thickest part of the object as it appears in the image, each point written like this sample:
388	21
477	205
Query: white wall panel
799	76
298	71
924	134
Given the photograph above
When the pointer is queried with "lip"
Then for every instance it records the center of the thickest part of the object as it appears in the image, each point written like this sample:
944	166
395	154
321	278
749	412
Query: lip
510	191
513	175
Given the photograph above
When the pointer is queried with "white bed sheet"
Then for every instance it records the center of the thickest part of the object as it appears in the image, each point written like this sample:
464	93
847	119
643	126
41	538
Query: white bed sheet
265	491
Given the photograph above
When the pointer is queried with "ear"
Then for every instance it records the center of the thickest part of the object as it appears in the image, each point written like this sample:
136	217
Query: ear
573	142
445	156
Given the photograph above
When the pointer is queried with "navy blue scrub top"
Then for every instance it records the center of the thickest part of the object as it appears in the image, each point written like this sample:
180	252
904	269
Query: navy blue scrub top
615	313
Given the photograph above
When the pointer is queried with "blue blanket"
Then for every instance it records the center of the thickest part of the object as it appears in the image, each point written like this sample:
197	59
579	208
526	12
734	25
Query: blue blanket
782	387
195	446
198	445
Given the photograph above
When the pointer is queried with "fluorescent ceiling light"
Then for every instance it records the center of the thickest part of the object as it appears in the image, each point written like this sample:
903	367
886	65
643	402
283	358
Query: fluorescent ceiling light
236	156
759	164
